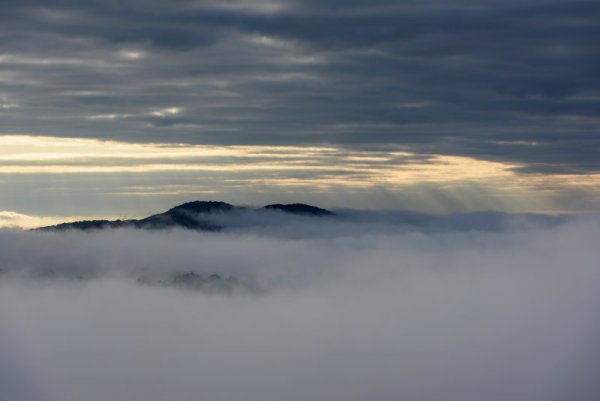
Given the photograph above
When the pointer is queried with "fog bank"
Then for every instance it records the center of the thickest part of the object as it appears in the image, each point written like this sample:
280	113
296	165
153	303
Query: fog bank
347	311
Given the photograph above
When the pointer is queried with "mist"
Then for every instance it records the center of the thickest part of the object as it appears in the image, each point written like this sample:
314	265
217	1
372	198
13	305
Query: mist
373	306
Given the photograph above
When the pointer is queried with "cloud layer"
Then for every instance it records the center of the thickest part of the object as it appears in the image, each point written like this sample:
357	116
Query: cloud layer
514	82
375	310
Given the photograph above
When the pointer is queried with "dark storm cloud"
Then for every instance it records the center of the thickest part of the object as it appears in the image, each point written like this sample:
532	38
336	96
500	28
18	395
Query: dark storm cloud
511	81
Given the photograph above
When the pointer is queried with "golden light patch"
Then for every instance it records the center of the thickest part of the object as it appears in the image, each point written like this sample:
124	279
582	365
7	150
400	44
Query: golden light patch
48	155
10	219
301	167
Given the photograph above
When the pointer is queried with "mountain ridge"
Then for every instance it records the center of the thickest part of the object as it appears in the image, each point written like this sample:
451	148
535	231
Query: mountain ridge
193	215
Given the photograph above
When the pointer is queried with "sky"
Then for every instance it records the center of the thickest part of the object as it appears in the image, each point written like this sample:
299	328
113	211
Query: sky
123	108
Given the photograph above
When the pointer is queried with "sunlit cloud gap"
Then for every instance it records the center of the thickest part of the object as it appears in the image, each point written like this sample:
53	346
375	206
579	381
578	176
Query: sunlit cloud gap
226	172
318	165
29	154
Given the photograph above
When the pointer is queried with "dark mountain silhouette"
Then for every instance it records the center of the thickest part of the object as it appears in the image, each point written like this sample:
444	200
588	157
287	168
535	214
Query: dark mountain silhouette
191	215
187	215
86	225
203	207
300	208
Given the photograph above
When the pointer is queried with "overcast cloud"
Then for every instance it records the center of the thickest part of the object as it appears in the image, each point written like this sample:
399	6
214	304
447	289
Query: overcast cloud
511	81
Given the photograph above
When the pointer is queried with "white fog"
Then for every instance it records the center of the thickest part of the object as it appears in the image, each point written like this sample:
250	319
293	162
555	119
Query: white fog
329	311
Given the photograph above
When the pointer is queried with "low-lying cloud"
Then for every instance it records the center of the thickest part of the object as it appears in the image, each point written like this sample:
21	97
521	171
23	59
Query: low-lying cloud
377	306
